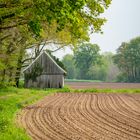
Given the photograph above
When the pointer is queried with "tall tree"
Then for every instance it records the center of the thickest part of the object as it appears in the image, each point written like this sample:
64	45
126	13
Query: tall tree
86	56
11	54
128	60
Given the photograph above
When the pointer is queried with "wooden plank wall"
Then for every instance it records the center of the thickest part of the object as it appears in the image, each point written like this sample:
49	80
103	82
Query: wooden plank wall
51	77
46	81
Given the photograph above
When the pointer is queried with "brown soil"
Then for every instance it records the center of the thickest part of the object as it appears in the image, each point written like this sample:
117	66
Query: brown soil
87	85
83	117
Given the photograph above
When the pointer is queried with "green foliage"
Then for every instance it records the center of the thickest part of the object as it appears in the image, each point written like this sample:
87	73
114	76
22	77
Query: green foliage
35	27
21	83
68	62
122	77
103	69
36	71
12	51
108	91
3	124
110	68
27	22
98	72
85	56
5	84
106	70
64	12
128	60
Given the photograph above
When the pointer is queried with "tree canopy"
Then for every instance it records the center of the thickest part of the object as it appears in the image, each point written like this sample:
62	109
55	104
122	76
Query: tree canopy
128	60
86	55
101	68
29	23
76	17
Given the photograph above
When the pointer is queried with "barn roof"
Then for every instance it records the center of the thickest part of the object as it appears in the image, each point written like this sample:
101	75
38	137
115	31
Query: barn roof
47	57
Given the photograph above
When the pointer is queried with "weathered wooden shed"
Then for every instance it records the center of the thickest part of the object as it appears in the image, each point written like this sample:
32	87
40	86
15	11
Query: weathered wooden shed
44	72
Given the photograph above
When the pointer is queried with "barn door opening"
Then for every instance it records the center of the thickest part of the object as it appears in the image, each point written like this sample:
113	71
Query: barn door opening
49	85
60	86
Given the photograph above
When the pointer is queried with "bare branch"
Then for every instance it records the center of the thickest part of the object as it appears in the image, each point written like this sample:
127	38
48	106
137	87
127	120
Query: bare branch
42	47
58	48
32	58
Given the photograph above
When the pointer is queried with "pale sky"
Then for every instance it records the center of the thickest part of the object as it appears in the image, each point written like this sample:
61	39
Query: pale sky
123	24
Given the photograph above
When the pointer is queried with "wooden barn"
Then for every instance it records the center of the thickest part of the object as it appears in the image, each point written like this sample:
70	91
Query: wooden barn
44	72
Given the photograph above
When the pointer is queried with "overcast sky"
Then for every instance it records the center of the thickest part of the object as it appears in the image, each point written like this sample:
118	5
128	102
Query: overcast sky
123	24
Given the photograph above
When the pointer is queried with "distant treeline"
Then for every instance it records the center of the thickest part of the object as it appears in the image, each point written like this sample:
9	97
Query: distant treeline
88	63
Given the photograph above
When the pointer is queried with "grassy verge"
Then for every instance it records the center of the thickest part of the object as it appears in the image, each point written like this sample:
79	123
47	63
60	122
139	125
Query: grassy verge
127	91
13	99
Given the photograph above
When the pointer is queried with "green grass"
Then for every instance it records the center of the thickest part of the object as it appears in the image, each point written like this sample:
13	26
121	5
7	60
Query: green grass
127	91
79	80
13	99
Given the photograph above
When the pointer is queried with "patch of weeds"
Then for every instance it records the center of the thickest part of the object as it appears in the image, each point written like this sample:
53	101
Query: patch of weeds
22	104
107	90
1	107
21	83
90	90
76	90
65	89
8	90
128	91
137	90
85	91
3	124
19	105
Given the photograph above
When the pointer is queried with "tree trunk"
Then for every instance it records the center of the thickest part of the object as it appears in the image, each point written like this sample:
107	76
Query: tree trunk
19	66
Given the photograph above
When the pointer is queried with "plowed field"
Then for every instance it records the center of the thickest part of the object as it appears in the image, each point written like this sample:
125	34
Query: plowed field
83	117
87	85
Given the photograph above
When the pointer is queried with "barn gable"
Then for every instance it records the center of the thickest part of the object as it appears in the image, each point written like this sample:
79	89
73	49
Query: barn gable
44	72
48	65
